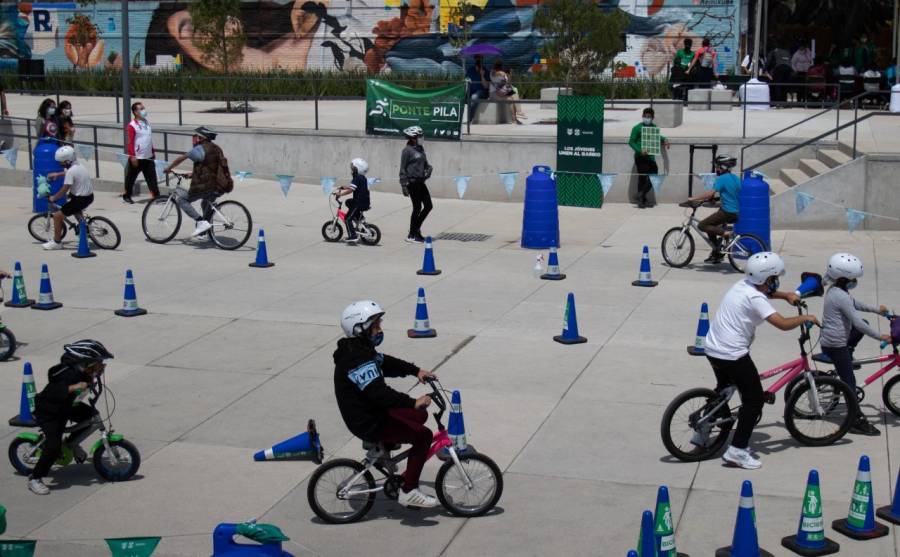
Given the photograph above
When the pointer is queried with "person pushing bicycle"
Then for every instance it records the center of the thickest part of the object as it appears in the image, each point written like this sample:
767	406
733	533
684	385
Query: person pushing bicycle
371	409
77	183
744	307
728	187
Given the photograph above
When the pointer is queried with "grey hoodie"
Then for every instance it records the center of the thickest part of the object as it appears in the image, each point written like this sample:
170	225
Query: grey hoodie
414	165
839	315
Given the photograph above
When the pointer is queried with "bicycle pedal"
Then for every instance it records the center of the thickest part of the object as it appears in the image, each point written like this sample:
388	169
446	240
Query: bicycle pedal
769	398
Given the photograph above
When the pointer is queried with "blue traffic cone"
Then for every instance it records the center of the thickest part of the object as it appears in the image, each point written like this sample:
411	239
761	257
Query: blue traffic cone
45	297
26	402
570	324
810	540
646	538
745	542
83	249
130	306
860	522
428	261
421	328
305	445
632	553
892	513
644	278
663	525
19	297
553	267
456	428
699	347
262	256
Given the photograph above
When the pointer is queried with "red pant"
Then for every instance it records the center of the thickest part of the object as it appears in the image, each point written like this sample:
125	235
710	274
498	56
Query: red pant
407	425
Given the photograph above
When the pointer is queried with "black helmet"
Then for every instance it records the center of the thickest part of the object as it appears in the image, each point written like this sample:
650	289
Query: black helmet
205	132
726	161
85	351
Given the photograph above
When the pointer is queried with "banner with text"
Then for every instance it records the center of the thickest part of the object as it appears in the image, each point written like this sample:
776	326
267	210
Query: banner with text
392	108
579	150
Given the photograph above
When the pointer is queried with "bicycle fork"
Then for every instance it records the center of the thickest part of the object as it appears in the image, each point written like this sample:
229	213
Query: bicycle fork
813	395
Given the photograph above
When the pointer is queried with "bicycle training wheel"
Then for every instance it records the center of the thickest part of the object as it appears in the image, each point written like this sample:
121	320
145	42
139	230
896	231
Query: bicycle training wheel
370	234
7	344
121	468
680	434
328	480
232	231
332	231
161	220
461	499
104	233
745	246
677	247
41	228
811	427
891	394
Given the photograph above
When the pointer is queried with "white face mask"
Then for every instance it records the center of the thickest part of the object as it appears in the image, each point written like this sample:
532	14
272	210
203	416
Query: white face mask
648	121
51	111
67	112
143	113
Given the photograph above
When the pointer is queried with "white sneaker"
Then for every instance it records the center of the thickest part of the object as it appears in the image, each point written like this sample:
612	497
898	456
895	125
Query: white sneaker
740	458
51	245
37	487
416	498
202	227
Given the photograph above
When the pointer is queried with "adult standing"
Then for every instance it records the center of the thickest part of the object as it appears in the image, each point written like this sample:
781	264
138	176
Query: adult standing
645	162
801	62
45	123
703	65
414	171
680	64
141	155
863	54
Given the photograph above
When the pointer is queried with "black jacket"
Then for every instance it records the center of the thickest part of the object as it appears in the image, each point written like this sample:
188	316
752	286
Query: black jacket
55	401
362	394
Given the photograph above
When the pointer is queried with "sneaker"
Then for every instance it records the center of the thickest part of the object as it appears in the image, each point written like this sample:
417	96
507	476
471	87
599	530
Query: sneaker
352	240
410	239
52	245
700	438
37	487
203	226
863	427
713	258
740	458
418	239
127	199
413	498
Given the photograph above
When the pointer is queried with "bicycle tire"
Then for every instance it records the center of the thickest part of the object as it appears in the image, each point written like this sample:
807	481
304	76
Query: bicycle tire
717	439
24	468
7	344
43	231
354	468
827	387
114	475
792	384
670	258
370	234
104	233
749	244
448	501
332	231
237	232
890	394
150	214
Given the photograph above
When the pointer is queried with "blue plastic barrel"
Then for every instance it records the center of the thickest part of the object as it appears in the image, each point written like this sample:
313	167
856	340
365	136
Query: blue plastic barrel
44	163
225	546
540	218
754	214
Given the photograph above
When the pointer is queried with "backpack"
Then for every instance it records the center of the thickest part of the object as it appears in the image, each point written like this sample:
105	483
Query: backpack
706	59
224	181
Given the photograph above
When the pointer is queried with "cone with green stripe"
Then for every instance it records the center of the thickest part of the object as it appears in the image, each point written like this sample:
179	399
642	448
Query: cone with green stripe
663	525
860	522
810	540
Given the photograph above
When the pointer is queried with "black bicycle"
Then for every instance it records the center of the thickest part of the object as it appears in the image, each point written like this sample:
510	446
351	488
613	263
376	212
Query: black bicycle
7	338
100	230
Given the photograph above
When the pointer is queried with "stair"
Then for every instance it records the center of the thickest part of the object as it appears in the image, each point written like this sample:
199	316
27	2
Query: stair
813	167
833	157
825	160
776	186
792	176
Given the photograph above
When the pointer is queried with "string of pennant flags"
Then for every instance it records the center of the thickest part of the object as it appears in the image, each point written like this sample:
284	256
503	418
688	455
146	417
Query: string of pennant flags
855	217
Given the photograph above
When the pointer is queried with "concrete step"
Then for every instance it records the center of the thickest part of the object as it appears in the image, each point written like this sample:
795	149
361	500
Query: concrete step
776	186
833	157
813	167
792	176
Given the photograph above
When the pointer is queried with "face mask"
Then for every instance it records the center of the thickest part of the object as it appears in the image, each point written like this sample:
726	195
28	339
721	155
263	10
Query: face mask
67	112
195	140
143	113
378	339
648	121
773	286
51	111
851	284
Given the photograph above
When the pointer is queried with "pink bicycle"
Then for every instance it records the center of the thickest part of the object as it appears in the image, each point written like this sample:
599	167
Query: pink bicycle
343	490
819	410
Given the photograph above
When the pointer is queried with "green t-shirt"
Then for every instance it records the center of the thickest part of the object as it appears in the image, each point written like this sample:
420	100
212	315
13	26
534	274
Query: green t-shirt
634	141
683	58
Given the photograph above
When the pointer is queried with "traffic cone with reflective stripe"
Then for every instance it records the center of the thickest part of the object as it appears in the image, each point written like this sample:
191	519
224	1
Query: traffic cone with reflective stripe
262	256
421	328
83	249
456	426
663	525
632	553
305	445
19	297
45	297
891	513
570	324
860	522
646	540
553	267
644	277
26	401
810	540
745	542
130	306
699	347
428	267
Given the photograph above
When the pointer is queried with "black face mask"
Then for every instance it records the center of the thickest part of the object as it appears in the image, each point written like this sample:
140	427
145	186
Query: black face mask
772	286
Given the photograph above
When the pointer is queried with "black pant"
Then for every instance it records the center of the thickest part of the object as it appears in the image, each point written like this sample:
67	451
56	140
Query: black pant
53	429
148	168
780	76
645	165
421	206
714	225
351	219
742	374
842	358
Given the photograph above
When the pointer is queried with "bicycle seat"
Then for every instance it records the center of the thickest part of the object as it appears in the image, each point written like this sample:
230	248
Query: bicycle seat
16	421
821	358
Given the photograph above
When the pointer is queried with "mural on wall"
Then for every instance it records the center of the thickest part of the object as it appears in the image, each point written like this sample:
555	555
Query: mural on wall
371	35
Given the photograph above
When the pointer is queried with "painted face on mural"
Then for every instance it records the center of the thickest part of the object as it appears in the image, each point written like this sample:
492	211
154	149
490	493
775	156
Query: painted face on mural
658	51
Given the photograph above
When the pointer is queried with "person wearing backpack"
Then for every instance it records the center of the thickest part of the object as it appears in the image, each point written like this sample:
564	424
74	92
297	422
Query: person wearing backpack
703	66
779	61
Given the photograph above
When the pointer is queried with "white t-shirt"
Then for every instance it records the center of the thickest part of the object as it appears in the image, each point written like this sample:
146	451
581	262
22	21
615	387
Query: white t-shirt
79	181
732	329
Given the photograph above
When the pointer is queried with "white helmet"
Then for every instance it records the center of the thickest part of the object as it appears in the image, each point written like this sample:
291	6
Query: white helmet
361	165
413	131
844	265
65	153
763	265
359	316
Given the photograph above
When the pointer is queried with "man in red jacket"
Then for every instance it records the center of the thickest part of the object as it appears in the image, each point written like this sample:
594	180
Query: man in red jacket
141	154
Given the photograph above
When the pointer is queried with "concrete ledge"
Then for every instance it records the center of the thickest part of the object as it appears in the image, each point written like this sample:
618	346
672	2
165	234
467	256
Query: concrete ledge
549	95
492	113
717	96
698	96
668	115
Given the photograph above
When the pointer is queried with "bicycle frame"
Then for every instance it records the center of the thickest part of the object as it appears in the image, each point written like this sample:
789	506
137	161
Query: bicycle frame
693	223
893	360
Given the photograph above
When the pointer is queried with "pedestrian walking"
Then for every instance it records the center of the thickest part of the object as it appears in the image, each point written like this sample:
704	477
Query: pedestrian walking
414	171
141	155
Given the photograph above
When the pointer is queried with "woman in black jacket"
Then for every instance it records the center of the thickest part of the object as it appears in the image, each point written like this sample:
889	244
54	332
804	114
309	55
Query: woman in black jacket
414	170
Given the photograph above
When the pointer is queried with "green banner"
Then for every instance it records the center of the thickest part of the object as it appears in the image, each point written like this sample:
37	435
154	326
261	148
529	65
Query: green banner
132	547
17	548
392	108
579	150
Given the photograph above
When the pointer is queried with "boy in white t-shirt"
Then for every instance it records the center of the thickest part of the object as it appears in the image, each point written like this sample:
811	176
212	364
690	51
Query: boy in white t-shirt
77	184
745	307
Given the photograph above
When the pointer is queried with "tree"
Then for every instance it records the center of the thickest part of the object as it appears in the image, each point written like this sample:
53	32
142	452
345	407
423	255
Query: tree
218	33
580	39
460	18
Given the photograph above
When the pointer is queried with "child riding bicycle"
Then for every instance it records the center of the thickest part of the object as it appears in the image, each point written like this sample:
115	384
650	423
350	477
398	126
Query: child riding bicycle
728	186
843	328
77	184
744	307
372	410
359	187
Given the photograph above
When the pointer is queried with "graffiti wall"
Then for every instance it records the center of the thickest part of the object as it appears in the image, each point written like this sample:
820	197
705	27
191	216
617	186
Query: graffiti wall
375	35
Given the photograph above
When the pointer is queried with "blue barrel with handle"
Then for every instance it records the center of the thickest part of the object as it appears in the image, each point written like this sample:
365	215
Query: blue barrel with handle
540	217
753	217
45	163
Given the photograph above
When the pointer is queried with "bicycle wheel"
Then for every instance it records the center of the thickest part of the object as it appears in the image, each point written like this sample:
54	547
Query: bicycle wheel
804	421
104	233
7	344
370	234
677	247
891	394
161	220
744	246
231	225
41	228
332	231
792	384
123	467
18	453
682	438
460	499
325	485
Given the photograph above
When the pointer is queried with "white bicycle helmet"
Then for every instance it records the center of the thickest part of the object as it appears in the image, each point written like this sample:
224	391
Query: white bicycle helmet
361	165
413	131
65	154
763	265
359	316
844	265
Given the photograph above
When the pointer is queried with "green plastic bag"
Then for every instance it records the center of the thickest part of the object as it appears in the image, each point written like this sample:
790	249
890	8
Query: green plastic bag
17	548
261	533
132	547
43	189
